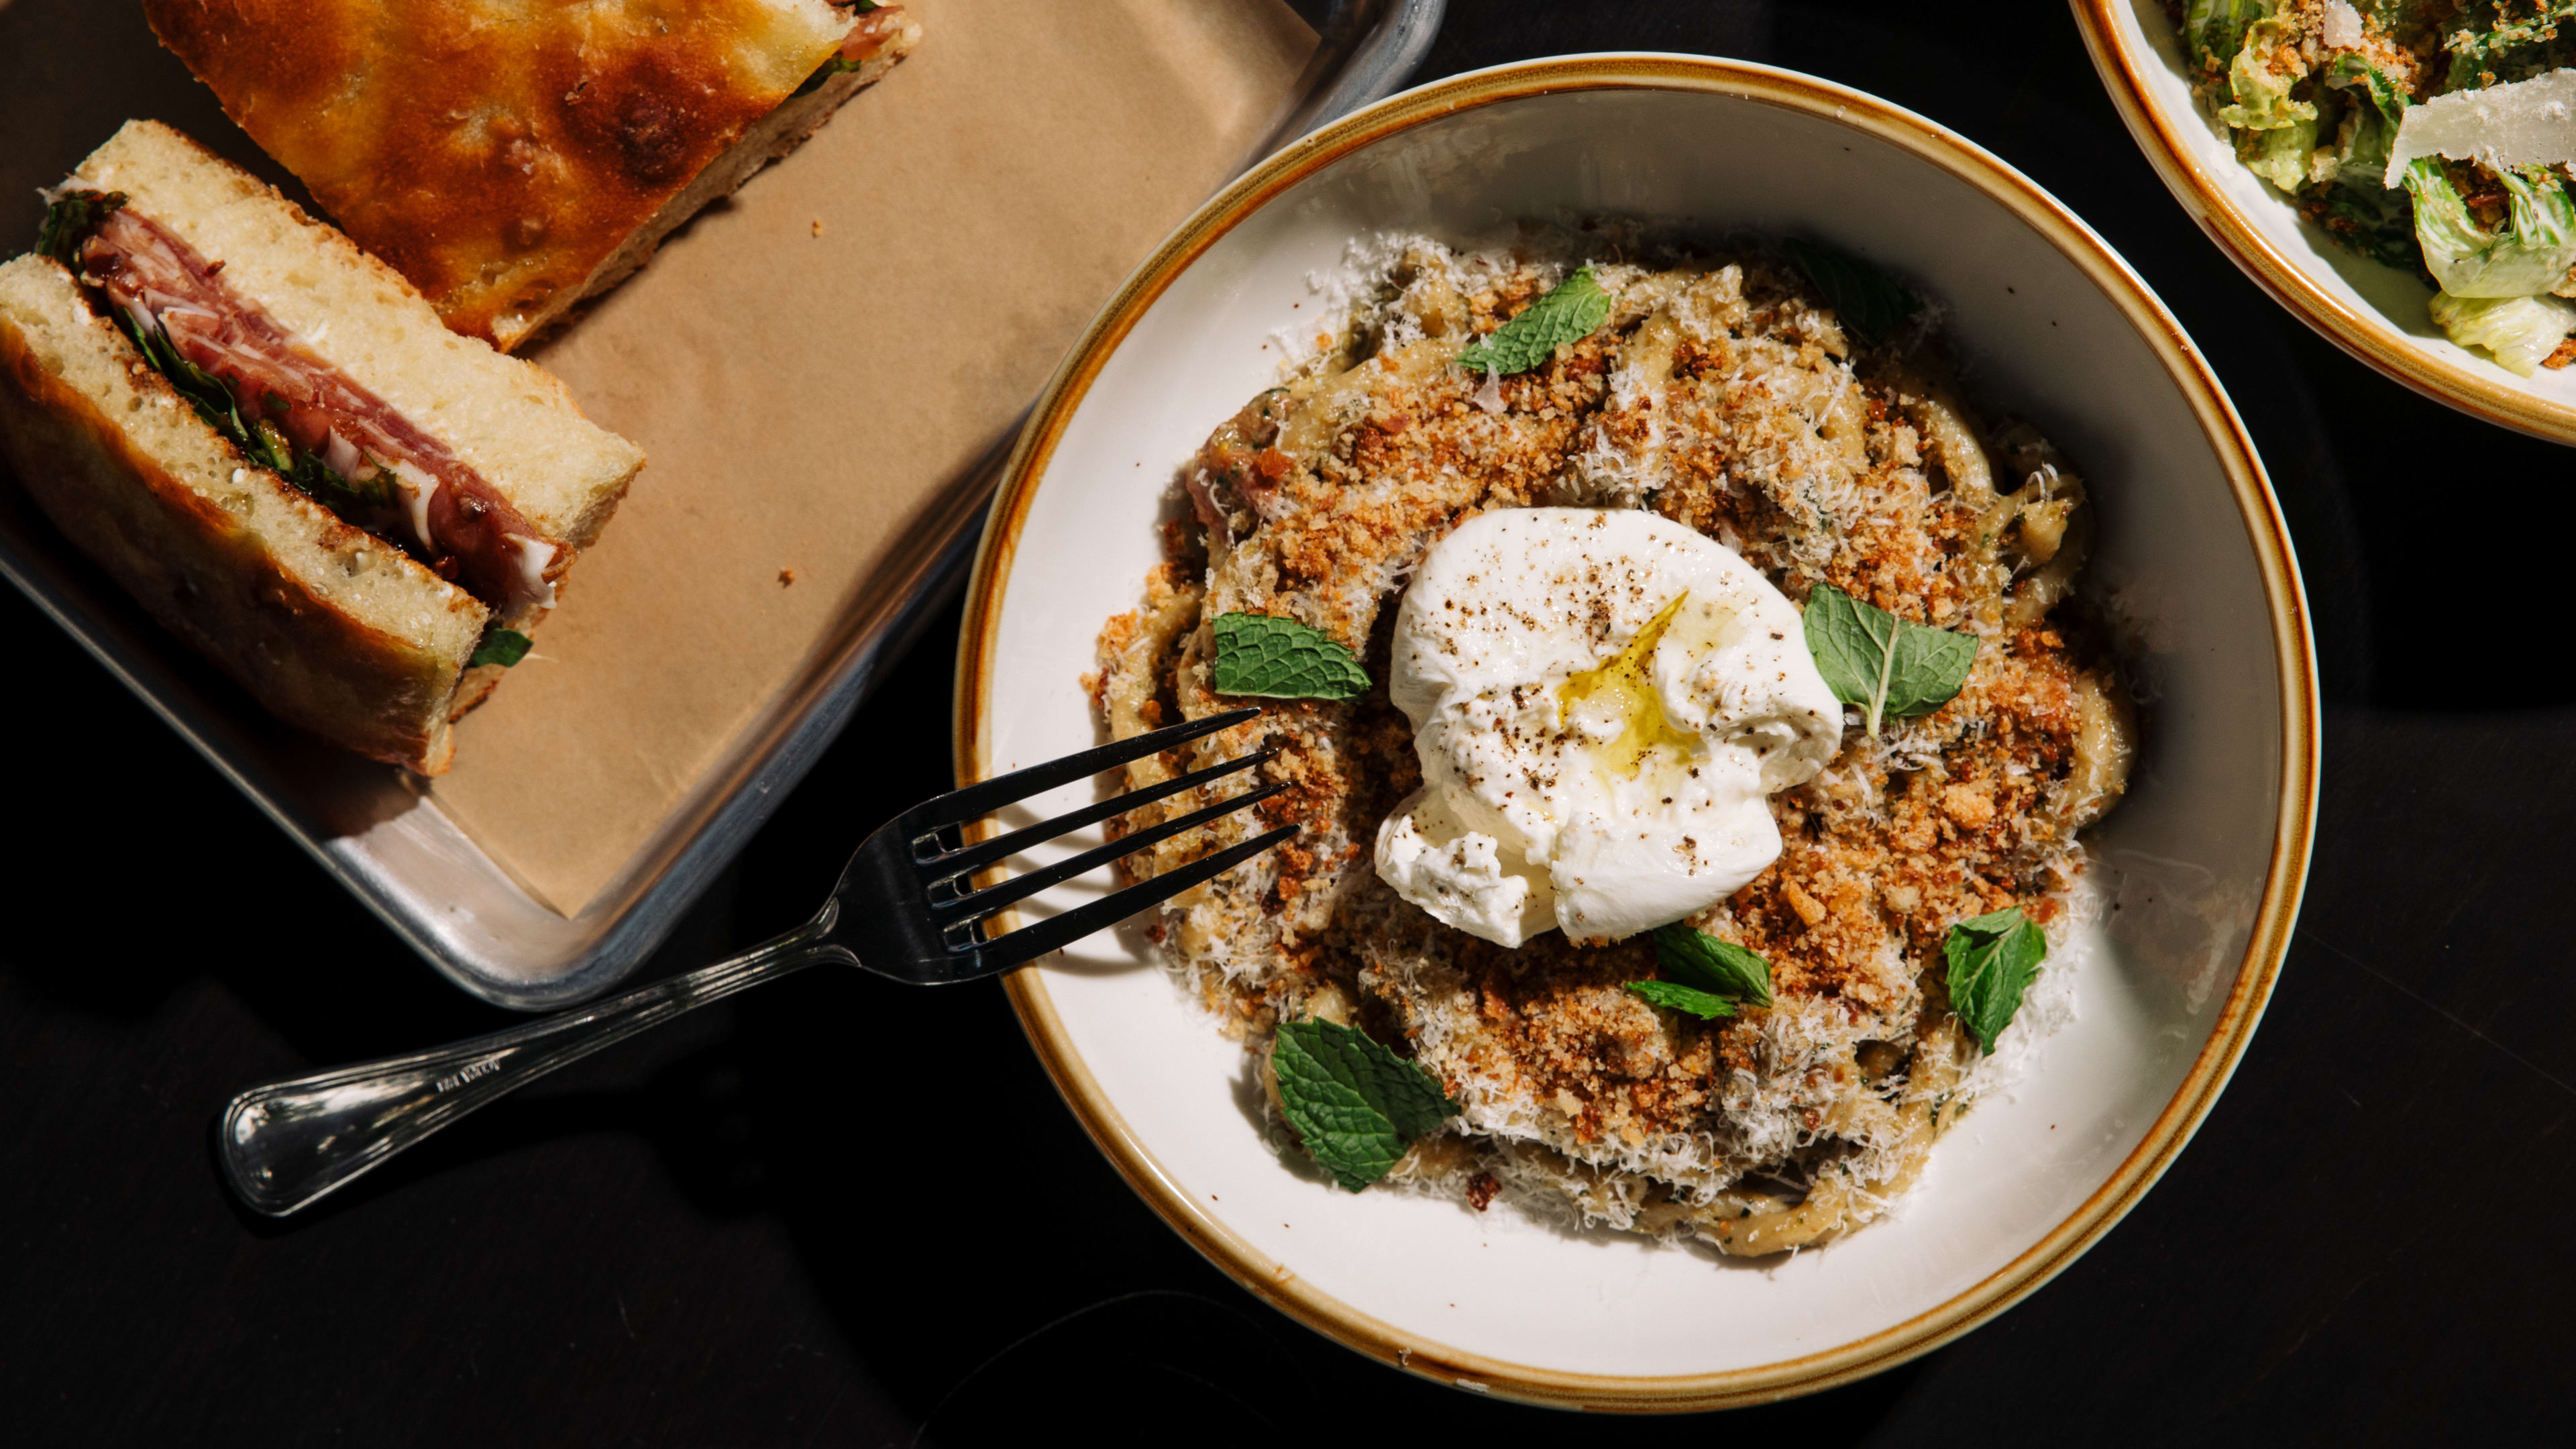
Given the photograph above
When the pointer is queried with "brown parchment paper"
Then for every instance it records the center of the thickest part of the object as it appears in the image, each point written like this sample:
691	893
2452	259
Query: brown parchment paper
811	367
809	397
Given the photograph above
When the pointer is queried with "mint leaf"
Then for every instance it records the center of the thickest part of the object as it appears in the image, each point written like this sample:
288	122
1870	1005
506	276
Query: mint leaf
1992	960
1869	302
1886	665
1704	975
504	647
1672	995
1264	654
1699	959
1566	314
70	219
1356	1105
2517	49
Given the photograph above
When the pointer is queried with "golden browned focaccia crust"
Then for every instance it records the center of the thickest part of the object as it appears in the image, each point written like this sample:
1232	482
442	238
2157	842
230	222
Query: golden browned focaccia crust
513	156
329	627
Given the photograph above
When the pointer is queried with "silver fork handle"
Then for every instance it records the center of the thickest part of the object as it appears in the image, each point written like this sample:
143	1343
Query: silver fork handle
287	1143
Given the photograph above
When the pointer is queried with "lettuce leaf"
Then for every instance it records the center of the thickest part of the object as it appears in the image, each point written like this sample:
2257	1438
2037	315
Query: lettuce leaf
2280	155
2361	207
2260	77
2515	50
2214	30
2374	221
2531	253
2369	130
2442	218
2520	331
2351	72
2542	217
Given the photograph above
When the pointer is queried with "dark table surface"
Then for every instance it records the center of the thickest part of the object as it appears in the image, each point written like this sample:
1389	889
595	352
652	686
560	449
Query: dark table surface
730	1233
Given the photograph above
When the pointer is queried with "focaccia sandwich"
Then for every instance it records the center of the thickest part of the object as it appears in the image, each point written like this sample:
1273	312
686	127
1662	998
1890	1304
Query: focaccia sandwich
512	157
267	437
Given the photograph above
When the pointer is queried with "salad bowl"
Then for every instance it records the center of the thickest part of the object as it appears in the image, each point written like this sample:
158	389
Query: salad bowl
2378	313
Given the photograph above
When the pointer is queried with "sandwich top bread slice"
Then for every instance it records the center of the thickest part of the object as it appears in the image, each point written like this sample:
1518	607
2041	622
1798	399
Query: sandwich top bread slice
512	157
270	440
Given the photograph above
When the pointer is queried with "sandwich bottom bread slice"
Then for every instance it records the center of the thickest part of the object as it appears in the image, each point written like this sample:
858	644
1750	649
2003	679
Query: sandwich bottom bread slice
270	440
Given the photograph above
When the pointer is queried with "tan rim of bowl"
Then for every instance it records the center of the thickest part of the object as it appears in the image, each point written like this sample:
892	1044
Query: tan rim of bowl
2362	332
1274	1281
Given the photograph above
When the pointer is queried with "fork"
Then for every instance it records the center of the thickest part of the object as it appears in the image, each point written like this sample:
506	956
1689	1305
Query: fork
906	908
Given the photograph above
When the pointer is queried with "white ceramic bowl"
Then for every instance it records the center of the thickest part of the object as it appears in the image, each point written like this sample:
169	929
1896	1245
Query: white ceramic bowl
2373	311
2206	857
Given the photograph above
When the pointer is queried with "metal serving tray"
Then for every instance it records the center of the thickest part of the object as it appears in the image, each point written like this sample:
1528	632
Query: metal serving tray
408	861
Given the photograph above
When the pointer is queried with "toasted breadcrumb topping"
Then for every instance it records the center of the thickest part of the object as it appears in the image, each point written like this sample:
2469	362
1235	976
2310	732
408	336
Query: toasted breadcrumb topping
1724	395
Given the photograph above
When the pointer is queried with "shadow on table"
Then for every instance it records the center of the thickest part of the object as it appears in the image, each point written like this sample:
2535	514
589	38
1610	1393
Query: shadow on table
992	1269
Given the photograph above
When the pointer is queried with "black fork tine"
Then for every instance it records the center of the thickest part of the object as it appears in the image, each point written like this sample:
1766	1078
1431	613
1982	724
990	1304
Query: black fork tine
959	806
1030	942
976	906
976	857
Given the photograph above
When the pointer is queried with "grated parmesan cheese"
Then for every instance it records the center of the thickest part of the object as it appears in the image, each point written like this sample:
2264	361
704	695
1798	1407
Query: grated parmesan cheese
2527	123
2341	27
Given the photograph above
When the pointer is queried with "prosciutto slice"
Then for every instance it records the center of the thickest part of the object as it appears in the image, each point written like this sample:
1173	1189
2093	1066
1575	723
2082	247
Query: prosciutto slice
404	485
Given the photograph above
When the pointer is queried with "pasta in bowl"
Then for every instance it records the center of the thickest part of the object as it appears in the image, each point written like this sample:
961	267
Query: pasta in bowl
1728	397
2197	867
